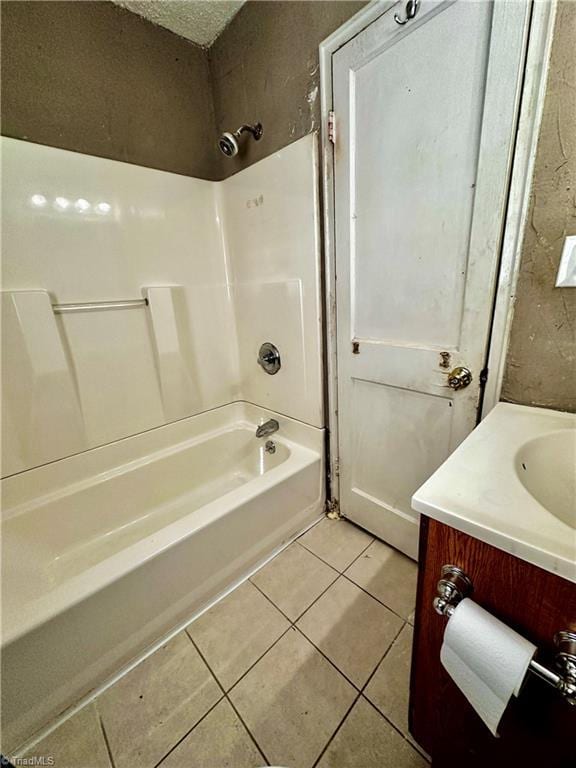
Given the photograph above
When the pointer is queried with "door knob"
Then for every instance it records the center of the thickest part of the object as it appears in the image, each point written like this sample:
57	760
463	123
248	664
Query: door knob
459	378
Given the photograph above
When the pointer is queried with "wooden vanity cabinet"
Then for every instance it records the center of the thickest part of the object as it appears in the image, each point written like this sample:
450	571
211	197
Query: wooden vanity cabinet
538	727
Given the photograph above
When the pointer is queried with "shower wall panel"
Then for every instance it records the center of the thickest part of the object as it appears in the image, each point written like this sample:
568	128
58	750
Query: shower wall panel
271	219
223	267
85	229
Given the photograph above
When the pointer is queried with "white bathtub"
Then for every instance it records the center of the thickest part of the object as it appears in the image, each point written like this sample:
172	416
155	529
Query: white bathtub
106	552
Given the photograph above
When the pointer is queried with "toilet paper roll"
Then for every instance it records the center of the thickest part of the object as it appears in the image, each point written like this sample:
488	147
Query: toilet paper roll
486	659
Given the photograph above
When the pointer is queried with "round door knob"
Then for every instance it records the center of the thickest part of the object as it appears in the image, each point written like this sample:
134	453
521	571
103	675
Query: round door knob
459	378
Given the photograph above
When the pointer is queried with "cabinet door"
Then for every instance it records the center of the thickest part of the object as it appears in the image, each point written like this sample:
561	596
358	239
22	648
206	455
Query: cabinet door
538	727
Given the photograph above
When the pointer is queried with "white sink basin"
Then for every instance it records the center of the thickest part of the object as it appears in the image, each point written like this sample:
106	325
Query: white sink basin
546	467
512	484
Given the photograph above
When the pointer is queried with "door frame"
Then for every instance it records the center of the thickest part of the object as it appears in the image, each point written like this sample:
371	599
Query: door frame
531	103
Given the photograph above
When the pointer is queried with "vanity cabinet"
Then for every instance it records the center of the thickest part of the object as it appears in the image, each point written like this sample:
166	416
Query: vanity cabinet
538	727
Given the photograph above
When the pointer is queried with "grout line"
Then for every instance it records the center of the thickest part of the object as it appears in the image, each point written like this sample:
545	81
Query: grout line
188	732
226	697
272	603
358	697
403	618
105	736
220	699
386	652
390	723
329	660
251	667
293	625
325	561
344	573
248	731
293	621
340	724
362	696
199	652
363	692
243	675
341	573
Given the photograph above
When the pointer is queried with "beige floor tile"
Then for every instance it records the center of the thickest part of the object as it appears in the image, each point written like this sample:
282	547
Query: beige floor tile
236	632
148	710
292	701
337	542
389	688
387	575
294	579
366	740
218	741
351	628
77	742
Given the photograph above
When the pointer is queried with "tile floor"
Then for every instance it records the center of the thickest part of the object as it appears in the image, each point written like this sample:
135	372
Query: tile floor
304	665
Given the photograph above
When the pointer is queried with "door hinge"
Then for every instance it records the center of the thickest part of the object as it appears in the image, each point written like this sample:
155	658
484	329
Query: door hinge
331	127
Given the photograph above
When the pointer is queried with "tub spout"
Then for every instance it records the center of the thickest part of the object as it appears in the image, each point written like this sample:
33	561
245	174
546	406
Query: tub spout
268	428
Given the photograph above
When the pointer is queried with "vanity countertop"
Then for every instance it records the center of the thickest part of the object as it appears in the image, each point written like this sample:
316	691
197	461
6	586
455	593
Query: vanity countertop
512	484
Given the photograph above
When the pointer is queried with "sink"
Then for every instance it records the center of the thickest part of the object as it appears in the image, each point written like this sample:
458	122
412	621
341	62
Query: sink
512	484
546	467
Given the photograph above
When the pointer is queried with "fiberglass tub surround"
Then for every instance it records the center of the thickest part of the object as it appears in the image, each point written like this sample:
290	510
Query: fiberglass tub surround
106	552
224	266
135	489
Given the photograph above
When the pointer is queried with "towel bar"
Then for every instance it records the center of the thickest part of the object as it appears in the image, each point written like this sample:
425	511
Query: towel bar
454	586
96	306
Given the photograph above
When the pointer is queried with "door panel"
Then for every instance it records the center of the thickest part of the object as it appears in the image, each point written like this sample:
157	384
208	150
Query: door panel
413	179
425	117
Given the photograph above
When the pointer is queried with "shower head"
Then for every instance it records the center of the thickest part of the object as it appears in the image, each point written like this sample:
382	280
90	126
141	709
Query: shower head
228	143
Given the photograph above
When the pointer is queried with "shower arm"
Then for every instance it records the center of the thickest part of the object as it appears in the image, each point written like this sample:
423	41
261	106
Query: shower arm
255	130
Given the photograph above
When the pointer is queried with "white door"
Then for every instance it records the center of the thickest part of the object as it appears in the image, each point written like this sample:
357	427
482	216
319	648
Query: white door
425	120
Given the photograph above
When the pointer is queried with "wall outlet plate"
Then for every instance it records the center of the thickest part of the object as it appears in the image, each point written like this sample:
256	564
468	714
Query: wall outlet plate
566	277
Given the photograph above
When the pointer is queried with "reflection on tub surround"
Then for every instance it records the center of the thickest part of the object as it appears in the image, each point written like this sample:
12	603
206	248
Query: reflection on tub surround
219	274
61	204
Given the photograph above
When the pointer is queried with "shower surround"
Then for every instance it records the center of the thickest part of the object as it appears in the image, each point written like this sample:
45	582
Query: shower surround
135	490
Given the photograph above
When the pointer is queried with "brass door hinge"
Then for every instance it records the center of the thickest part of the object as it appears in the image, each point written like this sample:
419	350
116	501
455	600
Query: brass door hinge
331	127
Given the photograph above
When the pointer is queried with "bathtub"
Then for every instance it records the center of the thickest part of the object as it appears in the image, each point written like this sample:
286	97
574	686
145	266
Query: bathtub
107	552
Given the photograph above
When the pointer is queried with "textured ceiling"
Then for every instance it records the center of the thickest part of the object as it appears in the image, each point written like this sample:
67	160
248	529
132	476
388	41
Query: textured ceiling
200	22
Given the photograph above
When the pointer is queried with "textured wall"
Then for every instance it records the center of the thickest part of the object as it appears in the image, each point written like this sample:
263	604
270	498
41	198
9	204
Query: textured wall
94	78
265	68
541	364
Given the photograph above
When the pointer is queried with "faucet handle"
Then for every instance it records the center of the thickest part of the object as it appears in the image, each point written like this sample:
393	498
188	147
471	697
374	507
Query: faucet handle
269	358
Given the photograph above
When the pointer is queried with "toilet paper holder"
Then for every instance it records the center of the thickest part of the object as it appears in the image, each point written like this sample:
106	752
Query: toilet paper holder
455	585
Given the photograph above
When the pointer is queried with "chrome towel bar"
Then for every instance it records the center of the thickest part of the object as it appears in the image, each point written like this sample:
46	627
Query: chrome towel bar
96	306
454	586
